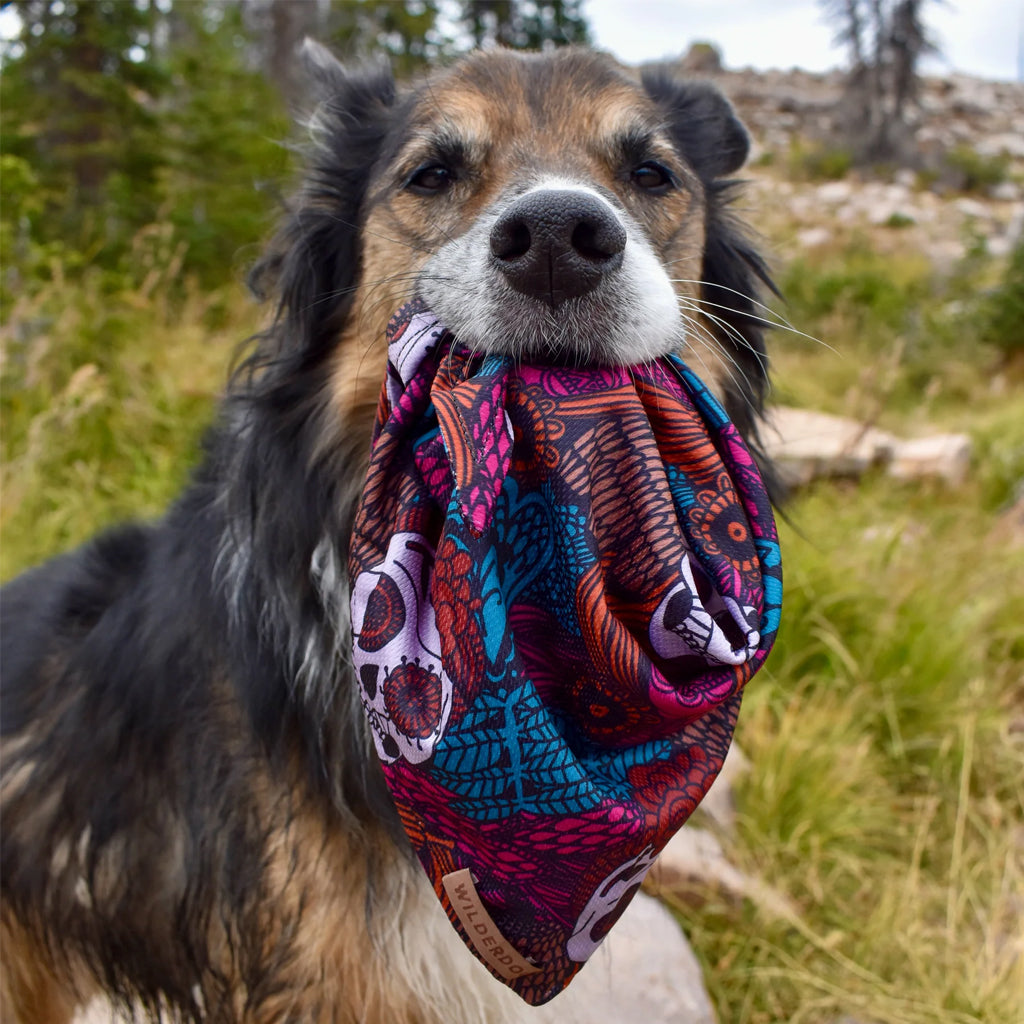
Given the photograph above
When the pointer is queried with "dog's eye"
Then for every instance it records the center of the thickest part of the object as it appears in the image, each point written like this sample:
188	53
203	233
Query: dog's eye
430	180
652	178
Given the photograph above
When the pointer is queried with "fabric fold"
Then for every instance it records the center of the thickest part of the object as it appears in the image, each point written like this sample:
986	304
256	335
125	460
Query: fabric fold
562	580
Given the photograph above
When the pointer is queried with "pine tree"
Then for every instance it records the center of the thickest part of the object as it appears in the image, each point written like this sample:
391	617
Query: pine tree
885	40
79	105
525	24
407	32
225	129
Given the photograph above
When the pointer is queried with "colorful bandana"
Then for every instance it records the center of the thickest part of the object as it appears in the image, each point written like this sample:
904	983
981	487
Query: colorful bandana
562	580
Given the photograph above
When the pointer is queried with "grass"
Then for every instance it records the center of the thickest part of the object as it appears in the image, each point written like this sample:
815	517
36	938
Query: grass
901	346
105	397
886	800
887	732
887	797
808	162
972	171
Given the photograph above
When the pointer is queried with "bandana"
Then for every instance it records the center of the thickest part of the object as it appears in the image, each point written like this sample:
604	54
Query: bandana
563	578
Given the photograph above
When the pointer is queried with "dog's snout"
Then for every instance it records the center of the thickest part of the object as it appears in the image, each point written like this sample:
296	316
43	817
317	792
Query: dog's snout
557	244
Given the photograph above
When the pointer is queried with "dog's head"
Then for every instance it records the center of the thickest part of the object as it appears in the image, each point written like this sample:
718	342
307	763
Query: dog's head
545	205
555	206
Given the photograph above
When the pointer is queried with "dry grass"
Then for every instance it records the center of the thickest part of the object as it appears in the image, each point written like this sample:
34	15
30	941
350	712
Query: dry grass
887	733
105	398
887	797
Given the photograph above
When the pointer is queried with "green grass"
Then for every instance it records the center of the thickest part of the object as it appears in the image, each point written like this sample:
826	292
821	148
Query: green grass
886	800
972	171
807	162
897	345
887	796
105	397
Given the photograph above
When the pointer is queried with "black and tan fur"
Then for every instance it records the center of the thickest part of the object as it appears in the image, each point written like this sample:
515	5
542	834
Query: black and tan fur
194	823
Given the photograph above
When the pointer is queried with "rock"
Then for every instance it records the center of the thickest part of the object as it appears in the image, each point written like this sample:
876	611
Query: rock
719	803
947	456
946	253
811	238
693	868
805	445
891	215
835	192
645	973
973	208
897	193
999	246
889	204
1008	143
1006	192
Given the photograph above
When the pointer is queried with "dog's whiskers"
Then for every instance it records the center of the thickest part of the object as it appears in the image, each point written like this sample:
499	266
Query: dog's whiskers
734	372
778	323
730	332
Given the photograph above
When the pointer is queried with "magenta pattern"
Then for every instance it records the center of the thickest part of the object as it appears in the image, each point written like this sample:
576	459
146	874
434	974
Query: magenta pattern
562	580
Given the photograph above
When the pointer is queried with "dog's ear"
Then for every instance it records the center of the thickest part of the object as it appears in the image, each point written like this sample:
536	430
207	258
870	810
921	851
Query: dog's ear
323	69
331	80
701	121
312	264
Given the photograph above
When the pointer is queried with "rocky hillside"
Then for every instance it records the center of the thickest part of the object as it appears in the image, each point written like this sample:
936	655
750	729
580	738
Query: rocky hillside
969	189
955	111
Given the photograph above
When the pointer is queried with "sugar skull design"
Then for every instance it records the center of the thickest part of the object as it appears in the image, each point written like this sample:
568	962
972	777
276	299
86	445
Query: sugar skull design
605	907
694	620
406	693
563	577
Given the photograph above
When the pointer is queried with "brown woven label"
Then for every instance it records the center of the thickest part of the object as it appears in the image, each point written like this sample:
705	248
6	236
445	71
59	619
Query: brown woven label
481	929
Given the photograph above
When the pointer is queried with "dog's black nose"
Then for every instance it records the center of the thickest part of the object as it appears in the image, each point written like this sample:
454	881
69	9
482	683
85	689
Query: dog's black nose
557	244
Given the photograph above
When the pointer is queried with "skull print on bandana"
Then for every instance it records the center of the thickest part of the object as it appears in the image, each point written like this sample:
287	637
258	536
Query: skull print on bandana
407	695
562	580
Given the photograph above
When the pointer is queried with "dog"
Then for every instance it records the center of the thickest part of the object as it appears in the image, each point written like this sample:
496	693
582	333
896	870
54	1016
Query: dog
194	822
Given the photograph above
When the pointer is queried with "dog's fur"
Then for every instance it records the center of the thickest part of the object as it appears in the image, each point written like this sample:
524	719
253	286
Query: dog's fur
193	819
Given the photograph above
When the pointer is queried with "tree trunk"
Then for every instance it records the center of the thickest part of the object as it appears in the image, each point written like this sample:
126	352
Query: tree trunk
289	22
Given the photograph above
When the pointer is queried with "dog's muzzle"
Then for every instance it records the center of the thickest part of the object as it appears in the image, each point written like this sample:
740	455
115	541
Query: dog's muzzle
557	244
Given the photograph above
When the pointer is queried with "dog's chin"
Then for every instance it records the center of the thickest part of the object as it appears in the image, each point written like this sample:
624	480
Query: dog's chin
591	330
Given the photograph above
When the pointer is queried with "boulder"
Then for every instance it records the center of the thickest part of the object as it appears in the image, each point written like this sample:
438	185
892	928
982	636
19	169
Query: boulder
644	973
1005	192
805	445
811	238
835	192
719	803
973	208
694	869
946	456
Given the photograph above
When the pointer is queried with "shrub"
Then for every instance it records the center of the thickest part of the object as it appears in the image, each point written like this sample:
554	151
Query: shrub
819	163
1003	313
899	220
970	171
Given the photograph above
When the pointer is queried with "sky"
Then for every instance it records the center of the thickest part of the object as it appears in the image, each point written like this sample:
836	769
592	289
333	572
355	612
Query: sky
980	37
